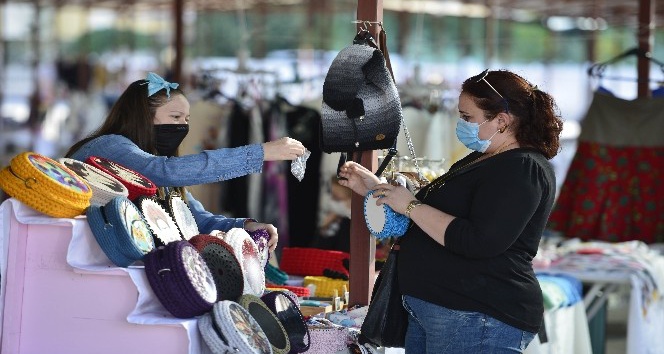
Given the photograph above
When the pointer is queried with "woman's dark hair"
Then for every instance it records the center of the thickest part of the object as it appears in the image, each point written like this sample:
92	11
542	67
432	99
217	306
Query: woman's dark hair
132	116
537	124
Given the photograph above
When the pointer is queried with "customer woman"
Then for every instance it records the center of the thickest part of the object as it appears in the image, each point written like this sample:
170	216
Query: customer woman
143	131
465	262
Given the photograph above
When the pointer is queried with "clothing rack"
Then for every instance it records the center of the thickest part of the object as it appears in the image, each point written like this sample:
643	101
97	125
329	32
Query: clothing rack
598	70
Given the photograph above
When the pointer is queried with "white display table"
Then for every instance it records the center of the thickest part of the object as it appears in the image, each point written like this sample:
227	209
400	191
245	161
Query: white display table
607	266
60	294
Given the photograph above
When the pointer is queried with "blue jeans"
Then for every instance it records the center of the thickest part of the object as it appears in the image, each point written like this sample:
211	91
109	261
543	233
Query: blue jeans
434	329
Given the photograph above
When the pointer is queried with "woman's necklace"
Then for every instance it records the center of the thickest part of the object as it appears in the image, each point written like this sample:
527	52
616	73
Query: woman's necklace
440	181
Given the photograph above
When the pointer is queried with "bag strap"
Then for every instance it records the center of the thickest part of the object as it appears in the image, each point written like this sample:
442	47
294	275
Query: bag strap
382	40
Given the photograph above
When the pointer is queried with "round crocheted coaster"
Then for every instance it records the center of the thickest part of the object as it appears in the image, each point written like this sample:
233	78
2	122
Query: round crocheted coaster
45	185
104	186
180	279
182	216
223	264
240	329
120	231
270	324
261	237
162	225
382	221
288	312
246	252
137	184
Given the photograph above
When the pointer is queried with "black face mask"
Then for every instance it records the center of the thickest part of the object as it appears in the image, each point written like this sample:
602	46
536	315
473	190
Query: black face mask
168	137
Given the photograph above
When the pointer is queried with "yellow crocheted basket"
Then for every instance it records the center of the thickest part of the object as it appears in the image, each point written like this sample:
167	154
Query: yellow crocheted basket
325	286
45	185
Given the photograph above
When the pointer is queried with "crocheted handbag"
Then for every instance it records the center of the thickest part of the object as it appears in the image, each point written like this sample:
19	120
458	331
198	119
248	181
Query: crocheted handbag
382	221
137	184
160	222
361	109
104	186
229	328
225	267
270	324
246	252
120	231
180	279
45	185
182	215
288	312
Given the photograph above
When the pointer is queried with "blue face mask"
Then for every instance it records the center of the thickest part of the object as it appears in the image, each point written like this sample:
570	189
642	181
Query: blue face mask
468	134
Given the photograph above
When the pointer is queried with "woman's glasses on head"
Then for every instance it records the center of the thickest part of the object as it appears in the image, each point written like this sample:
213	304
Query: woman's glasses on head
482	77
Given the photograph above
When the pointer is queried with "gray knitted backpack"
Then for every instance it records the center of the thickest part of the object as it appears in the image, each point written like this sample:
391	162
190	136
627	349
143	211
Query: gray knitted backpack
361	108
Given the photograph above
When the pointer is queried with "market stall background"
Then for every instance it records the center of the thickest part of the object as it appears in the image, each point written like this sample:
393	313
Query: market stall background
62	62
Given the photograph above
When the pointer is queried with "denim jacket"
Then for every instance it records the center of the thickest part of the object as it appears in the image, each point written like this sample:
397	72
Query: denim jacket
205	167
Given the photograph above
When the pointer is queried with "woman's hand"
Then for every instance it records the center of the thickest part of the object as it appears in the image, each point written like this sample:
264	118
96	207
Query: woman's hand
271	230
396	197
357	177
282	149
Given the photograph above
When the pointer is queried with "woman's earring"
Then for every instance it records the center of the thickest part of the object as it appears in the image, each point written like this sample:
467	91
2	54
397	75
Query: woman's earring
501	130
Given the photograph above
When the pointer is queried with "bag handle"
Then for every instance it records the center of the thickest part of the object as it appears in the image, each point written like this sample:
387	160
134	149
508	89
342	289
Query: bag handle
382	39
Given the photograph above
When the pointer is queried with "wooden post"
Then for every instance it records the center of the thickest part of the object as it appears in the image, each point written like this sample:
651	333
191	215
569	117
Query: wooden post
362	244
645	39
178	13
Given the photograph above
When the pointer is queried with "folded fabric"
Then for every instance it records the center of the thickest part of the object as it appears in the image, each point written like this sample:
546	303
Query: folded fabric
560	290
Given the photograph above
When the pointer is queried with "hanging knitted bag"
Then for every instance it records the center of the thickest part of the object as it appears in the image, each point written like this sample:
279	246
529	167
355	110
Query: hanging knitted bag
361	109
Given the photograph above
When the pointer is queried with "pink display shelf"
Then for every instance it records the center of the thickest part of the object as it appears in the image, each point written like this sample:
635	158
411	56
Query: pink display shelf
50	307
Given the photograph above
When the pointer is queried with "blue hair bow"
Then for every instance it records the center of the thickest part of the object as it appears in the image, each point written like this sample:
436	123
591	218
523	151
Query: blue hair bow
156	83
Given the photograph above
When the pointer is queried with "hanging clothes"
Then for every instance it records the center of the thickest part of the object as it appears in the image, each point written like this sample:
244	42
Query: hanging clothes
235	199
614	189
303	196
275	173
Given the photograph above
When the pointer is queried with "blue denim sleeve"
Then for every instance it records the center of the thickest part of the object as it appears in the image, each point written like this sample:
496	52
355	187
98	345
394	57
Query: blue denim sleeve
205	167
207	221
